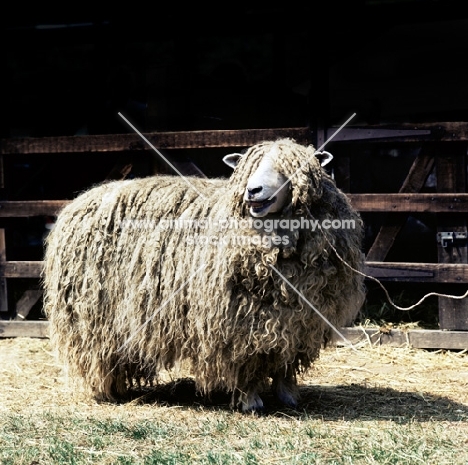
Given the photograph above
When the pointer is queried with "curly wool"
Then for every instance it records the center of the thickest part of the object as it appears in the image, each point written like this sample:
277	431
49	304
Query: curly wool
125	302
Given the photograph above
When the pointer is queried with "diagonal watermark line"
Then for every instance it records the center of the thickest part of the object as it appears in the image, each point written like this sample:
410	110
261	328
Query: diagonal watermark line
317	150
162	156
161	307
329	323
336	132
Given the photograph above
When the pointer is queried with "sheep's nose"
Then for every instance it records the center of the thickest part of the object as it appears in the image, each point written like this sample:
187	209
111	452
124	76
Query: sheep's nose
252	192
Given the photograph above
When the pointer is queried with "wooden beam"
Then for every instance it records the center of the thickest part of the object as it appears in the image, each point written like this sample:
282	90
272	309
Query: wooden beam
3	281
451	177
406	132
418	339
24	269
39	329
19	208
416	203
385	271
418	272
390	203
119	171
386	237
414	181
26	303
443	132
160	140
415	338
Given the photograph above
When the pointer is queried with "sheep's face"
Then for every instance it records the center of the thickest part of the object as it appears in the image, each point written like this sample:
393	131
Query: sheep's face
267	190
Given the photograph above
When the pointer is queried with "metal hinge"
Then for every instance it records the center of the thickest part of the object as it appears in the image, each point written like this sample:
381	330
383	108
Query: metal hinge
451	238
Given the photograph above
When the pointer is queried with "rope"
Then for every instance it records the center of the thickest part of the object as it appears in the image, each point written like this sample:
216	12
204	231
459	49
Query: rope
372	278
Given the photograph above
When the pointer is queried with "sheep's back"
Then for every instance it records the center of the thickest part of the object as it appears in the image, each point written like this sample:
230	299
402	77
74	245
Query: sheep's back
108	266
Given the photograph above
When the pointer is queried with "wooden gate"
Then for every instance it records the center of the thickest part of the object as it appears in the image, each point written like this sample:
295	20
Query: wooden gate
443	148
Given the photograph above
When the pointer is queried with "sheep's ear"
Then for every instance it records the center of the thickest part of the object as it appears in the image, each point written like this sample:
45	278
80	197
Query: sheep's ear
232	159
324	157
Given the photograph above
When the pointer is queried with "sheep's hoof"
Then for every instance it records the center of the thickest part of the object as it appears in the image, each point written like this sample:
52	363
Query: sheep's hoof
287	393
288	400
251	402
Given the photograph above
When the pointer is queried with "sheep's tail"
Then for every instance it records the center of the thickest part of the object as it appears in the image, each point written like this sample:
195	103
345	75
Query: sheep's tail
372	278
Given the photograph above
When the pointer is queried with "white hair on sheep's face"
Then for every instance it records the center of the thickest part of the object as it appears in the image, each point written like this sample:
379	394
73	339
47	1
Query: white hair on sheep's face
268	189
261	194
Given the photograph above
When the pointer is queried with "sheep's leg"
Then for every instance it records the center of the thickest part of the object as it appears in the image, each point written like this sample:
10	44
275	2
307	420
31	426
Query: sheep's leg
285	388
248	398
250	401
111	385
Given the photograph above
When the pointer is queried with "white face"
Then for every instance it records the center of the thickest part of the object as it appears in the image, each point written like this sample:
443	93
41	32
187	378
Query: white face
267	190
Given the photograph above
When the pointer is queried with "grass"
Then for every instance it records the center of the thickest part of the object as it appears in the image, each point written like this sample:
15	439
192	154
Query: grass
184	439
372	406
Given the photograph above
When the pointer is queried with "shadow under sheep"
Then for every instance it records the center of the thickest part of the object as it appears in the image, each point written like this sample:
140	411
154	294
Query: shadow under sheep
330	403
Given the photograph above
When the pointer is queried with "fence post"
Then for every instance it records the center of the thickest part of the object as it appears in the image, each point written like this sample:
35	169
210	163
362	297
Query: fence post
3	281
451	177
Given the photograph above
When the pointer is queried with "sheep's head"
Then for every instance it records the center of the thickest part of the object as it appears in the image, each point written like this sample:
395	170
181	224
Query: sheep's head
282	173
267	188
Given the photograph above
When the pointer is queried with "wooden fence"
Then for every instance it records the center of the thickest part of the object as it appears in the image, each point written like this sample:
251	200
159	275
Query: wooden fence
443	147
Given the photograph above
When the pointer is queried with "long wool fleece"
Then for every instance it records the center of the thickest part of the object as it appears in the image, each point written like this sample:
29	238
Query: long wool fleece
128	295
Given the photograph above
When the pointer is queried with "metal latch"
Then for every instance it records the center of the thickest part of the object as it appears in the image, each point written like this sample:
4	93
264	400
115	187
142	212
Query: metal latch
449	239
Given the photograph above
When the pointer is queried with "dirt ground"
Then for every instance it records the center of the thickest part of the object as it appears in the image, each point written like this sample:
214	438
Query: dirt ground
378	382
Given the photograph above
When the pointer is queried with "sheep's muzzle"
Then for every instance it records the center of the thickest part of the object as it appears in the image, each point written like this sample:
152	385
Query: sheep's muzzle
258	206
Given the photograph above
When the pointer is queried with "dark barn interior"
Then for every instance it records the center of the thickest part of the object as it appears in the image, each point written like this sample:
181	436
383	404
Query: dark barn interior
398	65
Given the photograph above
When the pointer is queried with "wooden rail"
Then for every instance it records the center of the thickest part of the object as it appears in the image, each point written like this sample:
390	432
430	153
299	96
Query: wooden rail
453	273
162	140
435	132
388	203
358	336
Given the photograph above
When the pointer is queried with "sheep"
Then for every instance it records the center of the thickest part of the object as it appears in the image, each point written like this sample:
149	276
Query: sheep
131	290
